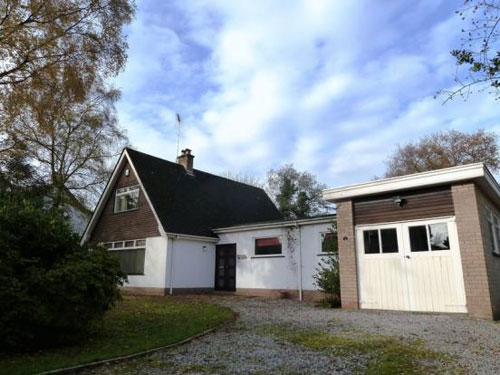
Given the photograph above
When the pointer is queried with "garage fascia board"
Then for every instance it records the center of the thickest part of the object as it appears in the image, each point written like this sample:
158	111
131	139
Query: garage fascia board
476	171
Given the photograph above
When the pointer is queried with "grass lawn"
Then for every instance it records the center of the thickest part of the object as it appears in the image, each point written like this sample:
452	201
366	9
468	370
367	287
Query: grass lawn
373	354
134	325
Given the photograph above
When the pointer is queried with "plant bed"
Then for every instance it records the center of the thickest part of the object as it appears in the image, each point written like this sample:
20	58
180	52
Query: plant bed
134	325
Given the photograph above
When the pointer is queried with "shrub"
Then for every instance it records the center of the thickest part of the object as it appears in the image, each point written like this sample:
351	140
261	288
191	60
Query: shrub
51	288
327	277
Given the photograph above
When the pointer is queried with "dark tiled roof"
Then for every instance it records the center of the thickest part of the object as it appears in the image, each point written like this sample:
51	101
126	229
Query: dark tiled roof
196	204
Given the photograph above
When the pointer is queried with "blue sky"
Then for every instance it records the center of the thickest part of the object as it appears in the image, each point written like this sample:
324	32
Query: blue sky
331	86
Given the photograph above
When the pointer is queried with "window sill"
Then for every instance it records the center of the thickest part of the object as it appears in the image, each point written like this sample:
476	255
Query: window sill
267	256
325	254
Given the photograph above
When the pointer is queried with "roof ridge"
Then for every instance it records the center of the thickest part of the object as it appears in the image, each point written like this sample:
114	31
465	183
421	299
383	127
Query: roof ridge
194	169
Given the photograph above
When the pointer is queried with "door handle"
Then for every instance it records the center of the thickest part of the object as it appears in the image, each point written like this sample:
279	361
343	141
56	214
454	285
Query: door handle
407	257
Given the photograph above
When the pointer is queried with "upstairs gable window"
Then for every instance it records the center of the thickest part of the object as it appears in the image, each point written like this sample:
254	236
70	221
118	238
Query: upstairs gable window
127	198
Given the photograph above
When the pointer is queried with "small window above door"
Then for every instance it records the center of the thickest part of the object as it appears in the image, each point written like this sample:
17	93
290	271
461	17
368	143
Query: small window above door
385	239
431	237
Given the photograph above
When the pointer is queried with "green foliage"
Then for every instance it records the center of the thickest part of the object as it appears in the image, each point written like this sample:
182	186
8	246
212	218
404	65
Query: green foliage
327	277
133	325
444	149
478	58
374	354
297	194
51	288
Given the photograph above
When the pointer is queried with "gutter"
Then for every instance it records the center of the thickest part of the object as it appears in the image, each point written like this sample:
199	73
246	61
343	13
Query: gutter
272	225
192	237
301	297
171	276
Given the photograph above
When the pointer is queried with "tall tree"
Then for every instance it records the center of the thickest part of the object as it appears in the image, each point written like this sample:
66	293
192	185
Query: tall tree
244	178
444	149
478	58
297	194
36	35
66	126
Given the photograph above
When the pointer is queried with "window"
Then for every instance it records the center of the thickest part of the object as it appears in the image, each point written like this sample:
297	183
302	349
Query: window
127	198
268	246
432	237
438	235
131	261
418	238
389	239
370	238
381	239
494	232
131	255
329	243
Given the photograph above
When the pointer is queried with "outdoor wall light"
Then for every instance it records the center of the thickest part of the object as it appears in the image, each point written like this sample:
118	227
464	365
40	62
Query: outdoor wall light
398	200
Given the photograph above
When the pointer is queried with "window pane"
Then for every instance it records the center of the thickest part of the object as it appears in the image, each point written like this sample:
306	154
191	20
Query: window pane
140	242
491	234
370	239
132	200
439	238
131	261
389	239
129	243
267	246
127	199
496	234
118	244
330	244
418	238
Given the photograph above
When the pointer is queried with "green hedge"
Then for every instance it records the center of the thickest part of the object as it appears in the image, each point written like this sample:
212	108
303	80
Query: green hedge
51	288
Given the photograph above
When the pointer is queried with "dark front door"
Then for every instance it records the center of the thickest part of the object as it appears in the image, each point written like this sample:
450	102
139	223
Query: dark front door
225	267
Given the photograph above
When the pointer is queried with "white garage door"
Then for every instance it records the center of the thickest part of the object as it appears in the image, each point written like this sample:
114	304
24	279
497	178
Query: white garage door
410	266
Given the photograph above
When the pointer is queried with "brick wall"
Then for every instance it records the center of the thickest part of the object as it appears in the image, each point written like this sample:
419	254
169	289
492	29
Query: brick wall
140	223
473	238
492	260
347	256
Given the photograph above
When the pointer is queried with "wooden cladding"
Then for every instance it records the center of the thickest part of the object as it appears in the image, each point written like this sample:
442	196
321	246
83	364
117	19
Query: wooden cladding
418	204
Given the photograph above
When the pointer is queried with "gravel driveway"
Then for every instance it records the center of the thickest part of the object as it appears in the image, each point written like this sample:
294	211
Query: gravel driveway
252	346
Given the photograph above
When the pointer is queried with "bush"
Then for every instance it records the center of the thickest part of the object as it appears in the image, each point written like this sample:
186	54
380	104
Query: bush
327	277
51	288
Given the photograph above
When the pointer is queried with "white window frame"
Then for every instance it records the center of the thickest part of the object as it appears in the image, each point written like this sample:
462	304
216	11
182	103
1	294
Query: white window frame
378	228
280	255
115	245
494	224
125	191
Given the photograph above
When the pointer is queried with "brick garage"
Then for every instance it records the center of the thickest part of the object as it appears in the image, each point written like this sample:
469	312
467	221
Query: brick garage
422	242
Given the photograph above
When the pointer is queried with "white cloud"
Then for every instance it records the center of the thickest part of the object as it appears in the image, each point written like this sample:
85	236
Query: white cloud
329	86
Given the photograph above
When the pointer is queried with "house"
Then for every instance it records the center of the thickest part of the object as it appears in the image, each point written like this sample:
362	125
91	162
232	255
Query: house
177	229
423	242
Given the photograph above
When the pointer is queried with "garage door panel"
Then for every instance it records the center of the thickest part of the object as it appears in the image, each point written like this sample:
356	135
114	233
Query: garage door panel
429	280
381	287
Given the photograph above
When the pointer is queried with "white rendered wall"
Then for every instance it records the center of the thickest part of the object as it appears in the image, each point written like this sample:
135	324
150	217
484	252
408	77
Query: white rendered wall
154	265
277	272
311	252
193	264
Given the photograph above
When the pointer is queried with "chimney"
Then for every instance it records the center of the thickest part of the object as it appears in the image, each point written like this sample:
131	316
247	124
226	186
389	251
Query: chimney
186	160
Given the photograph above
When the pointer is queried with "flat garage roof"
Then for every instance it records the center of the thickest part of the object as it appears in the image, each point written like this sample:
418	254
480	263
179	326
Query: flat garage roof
477	172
